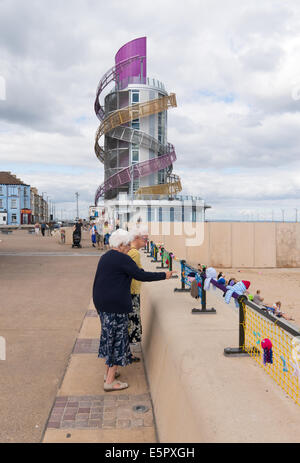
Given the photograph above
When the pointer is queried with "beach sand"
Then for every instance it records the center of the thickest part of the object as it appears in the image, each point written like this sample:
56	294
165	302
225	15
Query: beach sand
278	284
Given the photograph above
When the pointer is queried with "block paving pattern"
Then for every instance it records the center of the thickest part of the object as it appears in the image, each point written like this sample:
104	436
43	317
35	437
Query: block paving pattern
91	313
108	411
100	412
86	346
91	346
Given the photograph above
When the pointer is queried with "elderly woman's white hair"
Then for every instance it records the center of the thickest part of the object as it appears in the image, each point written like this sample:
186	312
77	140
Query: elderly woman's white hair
142	230
119	237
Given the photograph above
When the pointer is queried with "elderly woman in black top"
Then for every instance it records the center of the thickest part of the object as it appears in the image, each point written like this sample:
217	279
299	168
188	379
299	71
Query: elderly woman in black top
112	299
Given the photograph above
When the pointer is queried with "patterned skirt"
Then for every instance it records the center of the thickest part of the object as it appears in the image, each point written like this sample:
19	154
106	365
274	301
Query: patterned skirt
134	320
114	342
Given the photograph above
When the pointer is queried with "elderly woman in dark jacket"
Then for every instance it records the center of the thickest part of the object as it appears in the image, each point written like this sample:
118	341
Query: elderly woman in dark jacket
112	299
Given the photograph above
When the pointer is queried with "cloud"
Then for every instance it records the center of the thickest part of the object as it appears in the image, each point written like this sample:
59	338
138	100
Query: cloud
232	65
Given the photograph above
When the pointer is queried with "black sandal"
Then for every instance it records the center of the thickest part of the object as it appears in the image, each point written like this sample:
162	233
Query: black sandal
135	359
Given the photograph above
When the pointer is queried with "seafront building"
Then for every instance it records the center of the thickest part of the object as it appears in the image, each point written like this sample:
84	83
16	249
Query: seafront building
14	200
20	204
137	156
39	207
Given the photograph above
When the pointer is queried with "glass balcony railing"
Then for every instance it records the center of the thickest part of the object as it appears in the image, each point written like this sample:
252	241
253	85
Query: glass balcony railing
139	80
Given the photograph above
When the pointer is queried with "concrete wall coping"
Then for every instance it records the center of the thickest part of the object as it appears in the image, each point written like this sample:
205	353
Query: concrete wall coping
199	395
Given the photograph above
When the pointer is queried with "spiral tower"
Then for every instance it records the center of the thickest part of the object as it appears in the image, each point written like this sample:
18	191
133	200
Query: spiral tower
137	158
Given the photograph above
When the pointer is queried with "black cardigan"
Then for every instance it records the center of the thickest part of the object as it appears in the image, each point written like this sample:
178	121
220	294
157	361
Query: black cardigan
111	290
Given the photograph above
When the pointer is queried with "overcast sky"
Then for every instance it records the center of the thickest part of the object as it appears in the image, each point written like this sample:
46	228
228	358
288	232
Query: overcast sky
234	66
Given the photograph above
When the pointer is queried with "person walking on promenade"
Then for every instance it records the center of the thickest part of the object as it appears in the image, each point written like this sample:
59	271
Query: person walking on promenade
78	227
77	233
37	229
43	228
93	231
139	237
106	234
112	300
99	237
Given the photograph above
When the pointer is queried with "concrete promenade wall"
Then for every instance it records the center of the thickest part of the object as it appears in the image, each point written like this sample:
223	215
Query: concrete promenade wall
198	394
235	244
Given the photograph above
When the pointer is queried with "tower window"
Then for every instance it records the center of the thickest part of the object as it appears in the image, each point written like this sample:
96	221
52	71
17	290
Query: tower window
135	96
136	184
172	214
135	124
160	214
161	127
161	176
135	153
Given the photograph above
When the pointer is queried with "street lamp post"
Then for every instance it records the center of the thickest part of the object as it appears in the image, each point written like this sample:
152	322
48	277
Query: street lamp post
77	207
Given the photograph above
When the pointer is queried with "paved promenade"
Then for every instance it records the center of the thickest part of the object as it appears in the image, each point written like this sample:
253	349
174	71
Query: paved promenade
51	382
83	412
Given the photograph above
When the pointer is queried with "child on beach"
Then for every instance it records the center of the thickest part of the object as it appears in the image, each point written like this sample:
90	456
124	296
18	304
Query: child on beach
276	310
278	313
